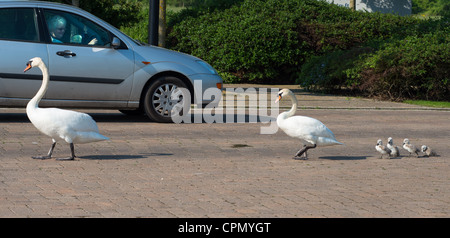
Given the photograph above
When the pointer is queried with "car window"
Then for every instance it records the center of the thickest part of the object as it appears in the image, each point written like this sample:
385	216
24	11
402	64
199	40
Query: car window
18	24
67	28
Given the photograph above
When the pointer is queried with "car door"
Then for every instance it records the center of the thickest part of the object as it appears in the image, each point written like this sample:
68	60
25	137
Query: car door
82	63
19	42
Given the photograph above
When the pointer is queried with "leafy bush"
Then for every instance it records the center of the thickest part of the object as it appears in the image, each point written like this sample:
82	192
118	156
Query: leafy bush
431	7
416	67
414	64
243	42
269	40
333	71
138	30
196	8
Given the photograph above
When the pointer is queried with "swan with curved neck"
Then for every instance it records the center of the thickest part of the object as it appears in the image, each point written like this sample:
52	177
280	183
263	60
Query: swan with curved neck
61	125
304	128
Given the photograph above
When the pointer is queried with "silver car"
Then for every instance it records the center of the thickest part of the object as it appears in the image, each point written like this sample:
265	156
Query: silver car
91	63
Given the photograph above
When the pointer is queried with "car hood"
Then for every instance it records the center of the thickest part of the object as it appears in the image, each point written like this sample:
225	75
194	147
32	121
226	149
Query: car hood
154	54
169	55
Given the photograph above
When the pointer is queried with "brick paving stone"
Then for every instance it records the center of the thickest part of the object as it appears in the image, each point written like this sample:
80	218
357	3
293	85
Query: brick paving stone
196	170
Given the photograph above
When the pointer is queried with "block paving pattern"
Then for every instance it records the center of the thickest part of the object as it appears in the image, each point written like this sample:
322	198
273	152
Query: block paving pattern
228	170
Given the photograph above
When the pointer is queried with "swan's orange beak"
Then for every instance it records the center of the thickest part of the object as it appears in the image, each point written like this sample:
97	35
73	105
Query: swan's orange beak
278	99
28	67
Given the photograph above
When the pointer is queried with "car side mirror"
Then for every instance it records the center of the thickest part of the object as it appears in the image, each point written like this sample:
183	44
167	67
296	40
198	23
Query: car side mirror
115	42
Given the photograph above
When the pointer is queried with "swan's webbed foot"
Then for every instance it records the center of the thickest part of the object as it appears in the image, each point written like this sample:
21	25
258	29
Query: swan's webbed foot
72	156
300	158
41	157
302	151
66	158
49	155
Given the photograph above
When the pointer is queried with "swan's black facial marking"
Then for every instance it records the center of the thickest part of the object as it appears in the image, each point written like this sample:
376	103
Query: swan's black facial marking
29	66
280	96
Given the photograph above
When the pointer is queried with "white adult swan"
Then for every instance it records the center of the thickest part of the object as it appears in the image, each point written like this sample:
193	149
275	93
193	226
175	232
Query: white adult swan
302	127
60	125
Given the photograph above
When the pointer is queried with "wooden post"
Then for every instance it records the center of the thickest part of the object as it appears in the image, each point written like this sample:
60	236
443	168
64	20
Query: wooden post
162	24
353	4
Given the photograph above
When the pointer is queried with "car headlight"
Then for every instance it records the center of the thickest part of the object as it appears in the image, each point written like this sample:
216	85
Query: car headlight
207	66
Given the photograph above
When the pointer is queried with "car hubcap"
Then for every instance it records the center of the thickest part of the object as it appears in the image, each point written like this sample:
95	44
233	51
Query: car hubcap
167	99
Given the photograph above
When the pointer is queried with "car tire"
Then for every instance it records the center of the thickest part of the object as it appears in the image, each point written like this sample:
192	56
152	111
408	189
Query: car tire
162	97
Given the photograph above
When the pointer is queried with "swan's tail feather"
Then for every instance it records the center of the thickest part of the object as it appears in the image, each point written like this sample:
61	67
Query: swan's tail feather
328	142
88	137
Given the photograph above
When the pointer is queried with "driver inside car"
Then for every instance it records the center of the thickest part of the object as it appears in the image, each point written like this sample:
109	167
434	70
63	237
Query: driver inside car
57	28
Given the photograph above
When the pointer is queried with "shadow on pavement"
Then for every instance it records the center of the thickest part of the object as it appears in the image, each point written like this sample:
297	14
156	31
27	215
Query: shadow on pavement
344	157
121	157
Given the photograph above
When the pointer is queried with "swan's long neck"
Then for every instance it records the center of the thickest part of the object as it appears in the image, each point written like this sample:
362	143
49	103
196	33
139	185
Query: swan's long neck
34	102
294	106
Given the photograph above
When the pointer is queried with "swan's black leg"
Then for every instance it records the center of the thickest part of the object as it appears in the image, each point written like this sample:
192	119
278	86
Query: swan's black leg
304	150
299	153
49	155
72	151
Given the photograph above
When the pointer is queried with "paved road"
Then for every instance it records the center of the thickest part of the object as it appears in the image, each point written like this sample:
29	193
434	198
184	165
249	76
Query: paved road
230	169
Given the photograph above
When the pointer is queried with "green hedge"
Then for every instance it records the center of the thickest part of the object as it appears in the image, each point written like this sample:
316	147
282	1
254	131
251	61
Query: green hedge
269	40
321	46
413	64
431	7
416	67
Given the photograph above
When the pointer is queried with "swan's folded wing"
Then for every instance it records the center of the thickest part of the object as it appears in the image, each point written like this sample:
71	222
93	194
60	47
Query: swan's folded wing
77	121
308	125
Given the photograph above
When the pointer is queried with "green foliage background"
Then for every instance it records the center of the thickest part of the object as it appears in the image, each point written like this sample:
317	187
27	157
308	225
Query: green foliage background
318	45
322	47
431	7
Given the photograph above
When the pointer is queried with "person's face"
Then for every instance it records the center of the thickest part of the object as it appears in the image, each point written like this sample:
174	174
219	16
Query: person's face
59	30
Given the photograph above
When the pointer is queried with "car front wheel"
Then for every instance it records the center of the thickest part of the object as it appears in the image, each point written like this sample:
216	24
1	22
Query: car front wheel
163	98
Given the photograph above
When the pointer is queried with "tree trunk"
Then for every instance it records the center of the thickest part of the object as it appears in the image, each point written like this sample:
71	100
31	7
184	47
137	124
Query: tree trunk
353	4
162	24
